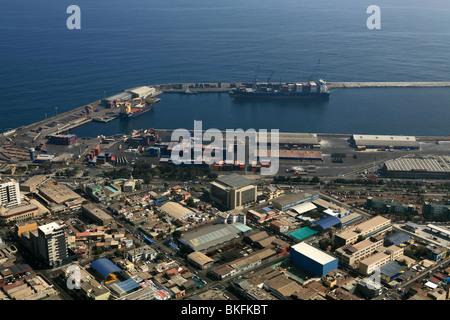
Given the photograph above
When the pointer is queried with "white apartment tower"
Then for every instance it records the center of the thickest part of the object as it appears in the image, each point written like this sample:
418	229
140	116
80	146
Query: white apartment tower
9	193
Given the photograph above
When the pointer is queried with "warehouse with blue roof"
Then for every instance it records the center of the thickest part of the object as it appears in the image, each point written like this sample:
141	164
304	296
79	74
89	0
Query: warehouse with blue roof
398	238
327	222
105	267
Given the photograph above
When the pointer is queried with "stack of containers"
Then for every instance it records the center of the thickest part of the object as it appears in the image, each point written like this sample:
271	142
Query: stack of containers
101	159
291	87
228	166
313	86
306	87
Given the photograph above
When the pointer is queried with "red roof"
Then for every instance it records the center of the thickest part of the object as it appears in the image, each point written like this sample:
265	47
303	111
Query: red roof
435	280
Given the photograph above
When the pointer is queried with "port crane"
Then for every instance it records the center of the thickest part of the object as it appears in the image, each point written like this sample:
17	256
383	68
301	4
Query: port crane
315	71
270	77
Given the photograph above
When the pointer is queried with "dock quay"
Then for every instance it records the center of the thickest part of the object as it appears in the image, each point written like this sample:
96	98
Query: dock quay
37	133
219	87
421	84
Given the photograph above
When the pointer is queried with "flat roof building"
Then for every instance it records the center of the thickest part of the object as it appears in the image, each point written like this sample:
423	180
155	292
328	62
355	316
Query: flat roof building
233	191
19	213
351	254
200	260
98	215
286	139
418	167
383	142
312	260
176	211
287	201
367	228
32	184
210	236
58	193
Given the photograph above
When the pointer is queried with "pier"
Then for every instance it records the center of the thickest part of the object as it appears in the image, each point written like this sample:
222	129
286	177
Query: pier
219	87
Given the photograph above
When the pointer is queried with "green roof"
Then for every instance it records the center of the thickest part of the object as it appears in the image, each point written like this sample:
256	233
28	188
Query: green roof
303	233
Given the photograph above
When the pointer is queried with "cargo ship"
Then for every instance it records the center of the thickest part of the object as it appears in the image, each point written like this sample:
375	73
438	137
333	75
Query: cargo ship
282	90
135	107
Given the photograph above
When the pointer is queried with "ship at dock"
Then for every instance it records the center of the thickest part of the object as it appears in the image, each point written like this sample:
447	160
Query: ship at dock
282	90
136	107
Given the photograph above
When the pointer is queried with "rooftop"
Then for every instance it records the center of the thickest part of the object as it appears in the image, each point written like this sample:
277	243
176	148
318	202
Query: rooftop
49	228
313	253
234	181
428	163
59	193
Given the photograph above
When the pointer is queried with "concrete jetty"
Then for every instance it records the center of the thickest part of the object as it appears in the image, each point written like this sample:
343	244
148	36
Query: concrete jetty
419	84
218	87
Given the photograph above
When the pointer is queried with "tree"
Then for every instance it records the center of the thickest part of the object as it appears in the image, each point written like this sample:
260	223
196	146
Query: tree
176	234
190	203
315	180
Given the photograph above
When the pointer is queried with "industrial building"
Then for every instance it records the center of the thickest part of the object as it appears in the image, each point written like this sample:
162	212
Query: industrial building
311	260
142	92
383	142
351	218
176	211
418	167
233	191
288	201
109	101
32	184
58	194
105	269
96	214
292	140
327	222
390	271
210	236
294	154
200	260
331	208
397	238
365	229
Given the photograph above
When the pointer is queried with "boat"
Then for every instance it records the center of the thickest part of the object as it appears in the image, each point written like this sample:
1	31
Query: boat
282	90
130	109
188	91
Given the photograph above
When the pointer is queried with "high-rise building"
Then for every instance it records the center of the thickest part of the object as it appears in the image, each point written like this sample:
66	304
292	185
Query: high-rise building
9	193
51	244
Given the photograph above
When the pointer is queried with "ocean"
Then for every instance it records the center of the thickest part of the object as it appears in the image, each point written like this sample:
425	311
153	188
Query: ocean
47	68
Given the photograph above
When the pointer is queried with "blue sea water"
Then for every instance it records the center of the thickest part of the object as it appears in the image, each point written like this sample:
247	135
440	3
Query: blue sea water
123	44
